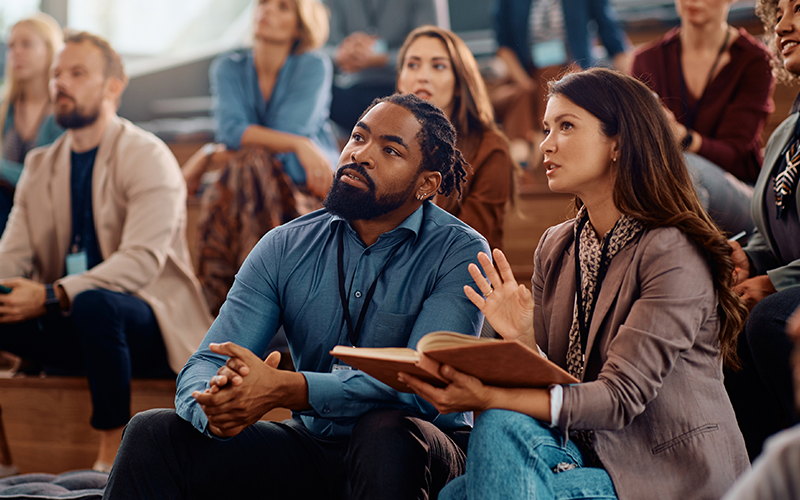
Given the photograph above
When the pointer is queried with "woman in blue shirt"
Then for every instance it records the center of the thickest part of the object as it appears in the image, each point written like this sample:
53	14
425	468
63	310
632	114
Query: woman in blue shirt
26	112
271	104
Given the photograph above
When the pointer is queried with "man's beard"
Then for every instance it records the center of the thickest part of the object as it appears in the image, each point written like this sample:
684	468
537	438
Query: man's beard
77	118
351	203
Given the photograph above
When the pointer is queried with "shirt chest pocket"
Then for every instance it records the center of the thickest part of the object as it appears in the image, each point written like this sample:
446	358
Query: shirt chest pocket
391	330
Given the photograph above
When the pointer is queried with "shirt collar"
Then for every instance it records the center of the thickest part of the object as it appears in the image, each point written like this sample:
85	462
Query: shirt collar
411	223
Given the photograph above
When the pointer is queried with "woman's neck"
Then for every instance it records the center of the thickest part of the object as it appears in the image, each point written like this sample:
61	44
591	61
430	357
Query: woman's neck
269	57
34	92
701	38
603	216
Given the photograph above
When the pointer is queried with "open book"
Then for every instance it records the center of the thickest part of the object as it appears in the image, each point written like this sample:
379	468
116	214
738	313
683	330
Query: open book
495	362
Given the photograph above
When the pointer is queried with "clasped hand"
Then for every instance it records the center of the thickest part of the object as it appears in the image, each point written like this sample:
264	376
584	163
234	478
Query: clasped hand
241	392
750	290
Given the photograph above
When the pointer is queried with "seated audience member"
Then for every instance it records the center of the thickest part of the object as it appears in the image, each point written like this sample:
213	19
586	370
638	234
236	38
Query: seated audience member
512	87
633	298
774	475
365	38
768	269
716	85
435	64
577	16
95	249
380	266
271	103
26	112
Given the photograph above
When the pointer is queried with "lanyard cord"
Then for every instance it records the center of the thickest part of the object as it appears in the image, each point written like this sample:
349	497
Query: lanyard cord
691	113
583	322
352	334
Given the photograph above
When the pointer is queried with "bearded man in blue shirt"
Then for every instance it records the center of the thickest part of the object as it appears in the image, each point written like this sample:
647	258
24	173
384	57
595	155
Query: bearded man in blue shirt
380	266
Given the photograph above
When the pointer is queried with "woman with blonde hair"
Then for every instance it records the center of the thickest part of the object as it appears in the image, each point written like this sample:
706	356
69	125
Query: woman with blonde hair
26	112
436	65
270	105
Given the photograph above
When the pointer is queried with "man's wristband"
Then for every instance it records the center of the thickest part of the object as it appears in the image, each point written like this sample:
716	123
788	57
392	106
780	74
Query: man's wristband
51	303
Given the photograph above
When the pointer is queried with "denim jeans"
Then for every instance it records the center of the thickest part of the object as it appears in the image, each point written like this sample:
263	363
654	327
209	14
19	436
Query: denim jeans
512	455
577	14
725	198
109	336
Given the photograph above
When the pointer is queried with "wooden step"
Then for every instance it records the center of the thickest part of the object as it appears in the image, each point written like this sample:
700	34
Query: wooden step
46	419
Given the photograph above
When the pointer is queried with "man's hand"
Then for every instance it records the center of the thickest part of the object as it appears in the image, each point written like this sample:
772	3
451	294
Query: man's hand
26	300
740	262
752	290
246	388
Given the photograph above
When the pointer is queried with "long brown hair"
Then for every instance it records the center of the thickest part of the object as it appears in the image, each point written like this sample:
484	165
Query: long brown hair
652	183
472	110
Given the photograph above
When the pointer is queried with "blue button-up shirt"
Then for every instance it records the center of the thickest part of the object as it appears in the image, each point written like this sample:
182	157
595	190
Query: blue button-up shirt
291	279
299	103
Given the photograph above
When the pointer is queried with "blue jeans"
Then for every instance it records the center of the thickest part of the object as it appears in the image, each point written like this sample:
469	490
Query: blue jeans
109	336
577	14
725	198
512	455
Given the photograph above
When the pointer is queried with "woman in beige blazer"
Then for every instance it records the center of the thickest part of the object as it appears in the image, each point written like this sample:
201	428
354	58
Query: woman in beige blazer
638	306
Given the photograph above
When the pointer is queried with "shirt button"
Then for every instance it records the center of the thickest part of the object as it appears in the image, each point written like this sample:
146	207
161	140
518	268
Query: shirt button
358	294
367	252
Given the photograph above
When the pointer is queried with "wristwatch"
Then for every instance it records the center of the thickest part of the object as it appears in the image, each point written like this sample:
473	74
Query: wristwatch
687	140
51	302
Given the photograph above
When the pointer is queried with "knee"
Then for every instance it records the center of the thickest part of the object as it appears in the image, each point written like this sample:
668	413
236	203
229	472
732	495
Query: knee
90	304
148	431
497	424
387	430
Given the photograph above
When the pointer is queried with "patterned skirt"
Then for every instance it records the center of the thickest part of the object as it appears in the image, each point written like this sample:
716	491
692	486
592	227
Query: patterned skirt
252	195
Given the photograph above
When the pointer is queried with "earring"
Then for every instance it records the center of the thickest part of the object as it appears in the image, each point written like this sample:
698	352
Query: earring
421	196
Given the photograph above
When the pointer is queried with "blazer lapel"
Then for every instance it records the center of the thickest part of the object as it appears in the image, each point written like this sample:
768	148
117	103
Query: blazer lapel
100	192
610	288
60	193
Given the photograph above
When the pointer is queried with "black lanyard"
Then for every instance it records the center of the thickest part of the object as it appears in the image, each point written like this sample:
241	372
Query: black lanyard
353	335
691	113
583	322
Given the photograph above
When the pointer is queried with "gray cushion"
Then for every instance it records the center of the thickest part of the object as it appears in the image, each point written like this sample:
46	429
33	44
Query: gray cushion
76	485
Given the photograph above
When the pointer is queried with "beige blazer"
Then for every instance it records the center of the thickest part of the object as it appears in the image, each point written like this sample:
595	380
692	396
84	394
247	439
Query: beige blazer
139	205
653	388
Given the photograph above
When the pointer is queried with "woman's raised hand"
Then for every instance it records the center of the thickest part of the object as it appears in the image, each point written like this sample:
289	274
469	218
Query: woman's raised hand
508	306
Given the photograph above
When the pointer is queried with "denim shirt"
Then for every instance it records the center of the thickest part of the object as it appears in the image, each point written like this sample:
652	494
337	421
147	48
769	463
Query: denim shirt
49	131
299	103
291	279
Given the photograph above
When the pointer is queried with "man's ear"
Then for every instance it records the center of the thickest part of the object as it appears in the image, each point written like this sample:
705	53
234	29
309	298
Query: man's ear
430	182
114	89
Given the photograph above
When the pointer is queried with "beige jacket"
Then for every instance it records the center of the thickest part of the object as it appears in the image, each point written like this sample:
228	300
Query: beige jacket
653	388
139	205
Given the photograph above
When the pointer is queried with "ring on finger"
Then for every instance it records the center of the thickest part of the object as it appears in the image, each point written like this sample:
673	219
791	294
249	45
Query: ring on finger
486	295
